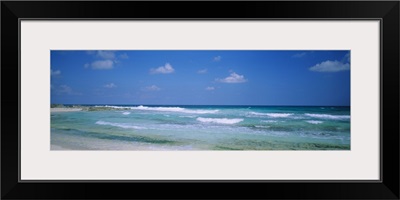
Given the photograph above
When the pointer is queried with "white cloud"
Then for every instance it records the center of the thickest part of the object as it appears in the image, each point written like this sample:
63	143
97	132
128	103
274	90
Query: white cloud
202	71
347	57
299	55
64	89
54	73
166	69
217	58
330	66
110	85
102	64
124	56
233	78
105	59
151	88
106	54
210	88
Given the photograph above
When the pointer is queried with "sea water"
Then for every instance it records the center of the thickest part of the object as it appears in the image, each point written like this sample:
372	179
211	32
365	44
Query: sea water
139	127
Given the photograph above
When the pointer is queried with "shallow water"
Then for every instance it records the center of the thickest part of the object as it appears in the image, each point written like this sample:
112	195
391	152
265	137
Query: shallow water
202	128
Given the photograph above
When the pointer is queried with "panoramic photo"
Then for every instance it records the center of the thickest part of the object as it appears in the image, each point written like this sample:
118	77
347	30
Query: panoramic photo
190	100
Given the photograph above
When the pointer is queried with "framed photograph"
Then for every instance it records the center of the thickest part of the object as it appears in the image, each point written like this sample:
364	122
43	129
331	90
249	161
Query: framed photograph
298	96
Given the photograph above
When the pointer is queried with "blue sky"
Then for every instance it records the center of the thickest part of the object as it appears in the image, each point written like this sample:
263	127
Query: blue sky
210	77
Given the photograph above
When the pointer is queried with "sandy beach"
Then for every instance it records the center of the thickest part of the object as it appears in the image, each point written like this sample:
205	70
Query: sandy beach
65	109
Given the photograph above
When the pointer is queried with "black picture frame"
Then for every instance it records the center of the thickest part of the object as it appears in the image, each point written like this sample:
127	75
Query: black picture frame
386	11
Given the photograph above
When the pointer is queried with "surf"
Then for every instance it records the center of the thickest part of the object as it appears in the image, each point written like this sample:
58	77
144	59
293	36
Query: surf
327	116
219	120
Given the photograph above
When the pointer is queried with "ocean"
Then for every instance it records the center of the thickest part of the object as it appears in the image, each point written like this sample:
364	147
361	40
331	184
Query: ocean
171	128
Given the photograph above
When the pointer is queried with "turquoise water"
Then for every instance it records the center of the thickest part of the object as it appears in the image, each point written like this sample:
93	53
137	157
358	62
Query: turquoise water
202	128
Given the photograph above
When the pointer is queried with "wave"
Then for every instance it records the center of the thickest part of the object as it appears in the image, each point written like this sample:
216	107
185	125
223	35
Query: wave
121	125
258	126
326	116
278	115
175	109
273	115
126	113
219	120
257	113
189	116
314	122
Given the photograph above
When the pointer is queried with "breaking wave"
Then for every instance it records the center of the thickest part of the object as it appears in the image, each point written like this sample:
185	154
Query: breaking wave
219	120
273	115
314	122
326	116
175	109
121	125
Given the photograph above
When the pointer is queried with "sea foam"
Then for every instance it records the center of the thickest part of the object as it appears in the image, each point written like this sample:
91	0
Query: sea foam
279	115
219	120
314	122
175	109
326	116
121	125
273	115
257	113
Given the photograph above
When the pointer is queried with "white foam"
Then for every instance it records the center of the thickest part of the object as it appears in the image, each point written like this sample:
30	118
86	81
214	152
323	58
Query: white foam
121	125
219	120
262	126
314	122
174	109
126	113
274	115
188	116
279	115
326	116
257	113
